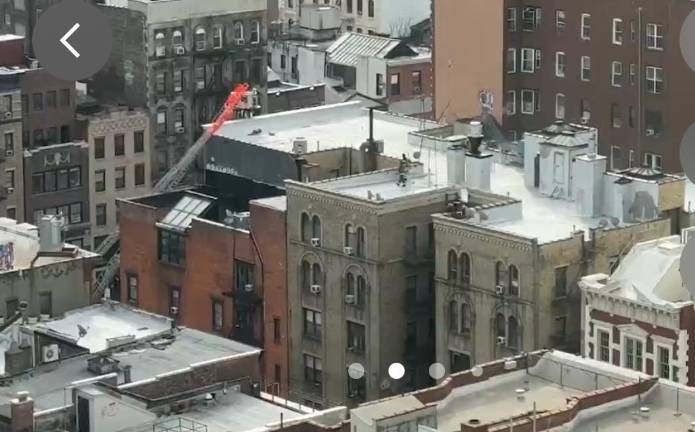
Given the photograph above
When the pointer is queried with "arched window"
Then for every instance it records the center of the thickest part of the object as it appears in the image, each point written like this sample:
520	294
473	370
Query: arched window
177	38
239	32
466	269
512	333
453	316
465	317
350	284
361	298
316	227
499	274
159	47
370	8
361	242
500	325
199	39
316	274
349	235
255	32
452	266
306	227
513	280
306	276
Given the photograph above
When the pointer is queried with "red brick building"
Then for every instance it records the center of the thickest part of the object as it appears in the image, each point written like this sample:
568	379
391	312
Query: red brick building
192	255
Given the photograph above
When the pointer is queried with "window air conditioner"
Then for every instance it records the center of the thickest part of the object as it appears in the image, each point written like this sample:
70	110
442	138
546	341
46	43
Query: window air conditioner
180	129
8	114
499	289
350	299
316	242
9	153
248	287
501	340
649	132
241	41
347	250
315	289
50	353
179	50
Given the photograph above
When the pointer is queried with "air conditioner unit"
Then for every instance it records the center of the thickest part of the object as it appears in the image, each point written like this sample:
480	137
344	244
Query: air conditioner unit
501	340
180	129
350	298
8	114
9	153
499	289
417	89
10	190
248	287
316	242
649	132
240	41
347	250
173	310
179	50
50	353
315	289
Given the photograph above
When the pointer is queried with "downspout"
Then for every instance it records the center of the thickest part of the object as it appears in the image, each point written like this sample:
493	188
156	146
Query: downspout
639	85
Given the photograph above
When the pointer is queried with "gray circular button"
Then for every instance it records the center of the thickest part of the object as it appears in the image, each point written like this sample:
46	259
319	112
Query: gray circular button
72	40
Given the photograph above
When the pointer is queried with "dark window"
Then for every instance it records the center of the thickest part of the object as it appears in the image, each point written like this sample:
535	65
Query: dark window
37	183
139	142
132	281
349	6
76	213
395	84
62	179
256	65
316	227
653	123
52	135
240	71
294	69
75	177
452	266
370	8
11	307
466	269
172	247
139	174
101	214
513	280
306	227
46	303
119	145
37	101
313	369
417	82
359	7
313	324
243	275
513	333
65	97
217	315
51	97
100	180
410	240
119	177
356	337
99	148
38	137
561	281
276	330
49	181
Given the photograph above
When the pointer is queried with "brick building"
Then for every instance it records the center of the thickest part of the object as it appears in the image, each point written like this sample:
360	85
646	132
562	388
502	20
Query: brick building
11	157
615	66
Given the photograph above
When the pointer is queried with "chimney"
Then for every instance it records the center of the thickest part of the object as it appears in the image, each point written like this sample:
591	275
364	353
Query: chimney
588	171
456	164
51	233
300	161
127	377
370	148
22	413
478	165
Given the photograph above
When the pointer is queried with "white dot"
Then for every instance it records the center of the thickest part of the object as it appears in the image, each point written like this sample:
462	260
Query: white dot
356	371
437	371
396	371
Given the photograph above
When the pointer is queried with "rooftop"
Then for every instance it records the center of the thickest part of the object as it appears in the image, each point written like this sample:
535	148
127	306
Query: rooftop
348	48
278	202
160	11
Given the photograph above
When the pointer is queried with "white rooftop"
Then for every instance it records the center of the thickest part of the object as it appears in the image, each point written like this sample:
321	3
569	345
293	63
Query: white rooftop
10	37
278	203
161	11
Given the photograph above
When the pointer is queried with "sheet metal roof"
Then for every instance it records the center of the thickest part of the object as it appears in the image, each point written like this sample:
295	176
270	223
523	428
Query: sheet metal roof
351	46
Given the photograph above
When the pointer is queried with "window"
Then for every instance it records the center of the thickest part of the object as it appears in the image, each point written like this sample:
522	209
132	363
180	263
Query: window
411	240
664	355
239	33
356	337
99	148
500	326
50	181
161	121
240	70
65	97
633	73
370	8
276	331
653	161
395	84
528	101
513	280
617	31
604	346
585	109
465	269
139	174
465	318
560	21
217	37
179	114
361	242
560	106
654	123
510	102
512	333
174	300
138	141
178	81
255	32
453	316
9	180
172	247
312	324
316	227
633	354
452	266
46	303
530	18
305	228
528	60
9	143
37	101
199	77
51	99
616	74
159	48
119	177
561	282
199	39
76	213
499	274
132	281
312	369
616	116
359	7
12	212
119	145
160	82
256	67
560	64
511	60
217	315
100	180
586	68
416	80
586	27
511	19
655	80
349	6
177	39
101	214
655	37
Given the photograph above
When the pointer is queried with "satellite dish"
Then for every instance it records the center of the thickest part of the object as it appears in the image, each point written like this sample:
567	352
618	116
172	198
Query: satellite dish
385	384
615	221
416	155
603	223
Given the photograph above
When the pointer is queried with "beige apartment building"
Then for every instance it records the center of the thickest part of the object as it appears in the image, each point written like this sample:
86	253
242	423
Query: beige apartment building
119	163
11	160
360	262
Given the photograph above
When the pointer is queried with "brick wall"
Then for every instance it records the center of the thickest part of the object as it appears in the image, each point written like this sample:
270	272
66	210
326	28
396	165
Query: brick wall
425	68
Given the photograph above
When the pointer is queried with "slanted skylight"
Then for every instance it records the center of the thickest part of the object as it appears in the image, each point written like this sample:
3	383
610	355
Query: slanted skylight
188	207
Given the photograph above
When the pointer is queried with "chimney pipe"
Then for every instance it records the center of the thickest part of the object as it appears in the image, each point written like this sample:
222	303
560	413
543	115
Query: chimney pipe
371	124
300	162
127	378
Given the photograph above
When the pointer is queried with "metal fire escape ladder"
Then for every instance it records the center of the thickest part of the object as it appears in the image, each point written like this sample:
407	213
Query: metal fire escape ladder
169	181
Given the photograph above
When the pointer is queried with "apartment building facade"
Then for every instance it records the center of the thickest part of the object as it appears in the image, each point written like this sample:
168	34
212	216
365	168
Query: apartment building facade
182	68
614	66
359	266
11	160
119	163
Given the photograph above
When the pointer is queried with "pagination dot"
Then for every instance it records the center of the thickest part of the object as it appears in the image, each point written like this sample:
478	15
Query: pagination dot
396	371
356	371
437	371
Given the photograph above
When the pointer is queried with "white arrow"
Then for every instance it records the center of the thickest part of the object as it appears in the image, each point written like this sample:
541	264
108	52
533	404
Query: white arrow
64	40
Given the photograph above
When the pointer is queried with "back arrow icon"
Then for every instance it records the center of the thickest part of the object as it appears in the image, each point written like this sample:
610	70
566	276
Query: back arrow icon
64	40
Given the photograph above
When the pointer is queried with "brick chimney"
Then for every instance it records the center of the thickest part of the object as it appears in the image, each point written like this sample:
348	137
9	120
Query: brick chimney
22	413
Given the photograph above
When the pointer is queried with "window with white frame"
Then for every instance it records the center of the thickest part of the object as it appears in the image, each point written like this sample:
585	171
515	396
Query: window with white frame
531	18
586	27
511	60
255	32
664	359
633	354
560	21
655	36
217	37
618	31
616	74
511	19
538	59
616	116
633	73
560	64
510	102
586	68
560	106
603	340
199	39
655	80
528	60
528	101
653	161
